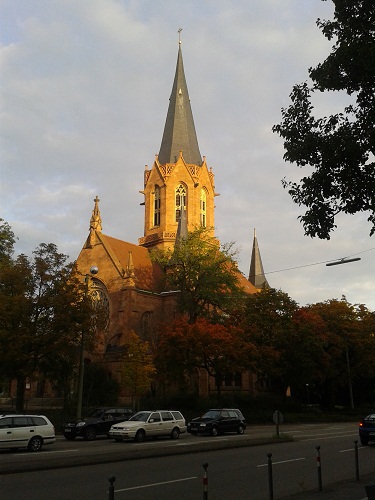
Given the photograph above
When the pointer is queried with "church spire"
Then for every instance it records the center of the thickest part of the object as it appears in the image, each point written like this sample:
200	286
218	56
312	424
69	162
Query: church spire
256	275
96	221
179	131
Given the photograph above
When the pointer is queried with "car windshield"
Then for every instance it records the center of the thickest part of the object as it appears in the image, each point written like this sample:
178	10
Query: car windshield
142	416
211	414
97	413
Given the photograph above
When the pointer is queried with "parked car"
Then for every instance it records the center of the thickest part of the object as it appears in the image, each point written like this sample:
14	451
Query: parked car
218	421
367	429
96	422
26	431
146	424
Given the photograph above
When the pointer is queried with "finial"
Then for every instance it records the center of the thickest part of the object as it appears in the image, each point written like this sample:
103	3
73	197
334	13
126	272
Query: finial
179	36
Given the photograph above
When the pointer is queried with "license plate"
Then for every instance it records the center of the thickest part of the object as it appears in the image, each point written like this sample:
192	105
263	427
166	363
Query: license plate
67	430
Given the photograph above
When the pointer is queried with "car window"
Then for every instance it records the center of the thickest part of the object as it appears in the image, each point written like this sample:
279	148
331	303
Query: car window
166	415
155	417
22	422
177	415
142	416
109	414
95	413
224	414
39	421
5	423
233	414
211	414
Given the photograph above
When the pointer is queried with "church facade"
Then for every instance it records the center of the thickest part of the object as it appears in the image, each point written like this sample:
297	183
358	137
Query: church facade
178	187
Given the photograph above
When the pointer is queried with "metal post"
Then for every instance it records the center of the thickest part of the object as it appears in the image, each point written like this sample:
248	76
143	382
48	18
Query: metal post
318	463
205	481
356	460
81	369
270	478
111	489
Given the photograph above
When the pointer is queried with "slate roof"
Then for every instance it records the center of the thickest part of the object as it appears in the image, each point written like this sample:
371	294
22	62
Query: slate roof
179	131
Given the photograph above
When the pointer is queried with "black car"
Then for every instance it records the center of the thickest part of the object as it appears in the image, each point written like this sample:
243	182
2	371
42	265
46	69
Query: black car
367	429
96	422
218	421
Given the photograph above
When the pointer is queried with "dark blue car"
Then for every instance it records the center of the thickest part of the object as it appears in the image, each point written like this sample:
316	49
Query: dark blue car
367	429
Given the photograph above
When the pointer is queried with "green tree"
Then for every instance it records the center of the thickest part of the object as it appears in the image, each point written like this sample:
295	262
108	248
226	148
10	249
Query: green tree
205	274
42	310
7	241
138	369
340	148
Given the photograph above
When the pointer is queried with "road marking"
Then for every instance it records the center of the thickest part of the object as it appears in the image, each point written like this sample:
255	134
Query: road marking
157	484
352	449
283	462
320	436
44	452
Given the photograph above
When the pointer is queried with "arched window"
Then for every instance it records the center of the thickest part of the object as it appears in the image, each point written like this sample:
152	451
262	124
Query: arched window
157	206
180	200
100	301
203	208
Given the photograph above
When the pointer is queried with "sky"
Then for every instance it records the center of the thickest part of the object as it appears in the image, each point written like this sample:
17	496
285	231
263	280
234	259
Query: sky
84	92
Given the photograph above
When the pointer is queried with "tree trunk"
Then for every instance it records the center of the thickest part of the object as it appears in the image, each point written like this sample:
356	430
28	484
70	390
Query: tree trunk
20	394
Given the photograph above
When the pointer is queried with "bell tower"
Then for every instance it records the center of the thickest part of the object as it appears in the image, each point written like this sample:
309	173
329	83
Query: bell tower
179	180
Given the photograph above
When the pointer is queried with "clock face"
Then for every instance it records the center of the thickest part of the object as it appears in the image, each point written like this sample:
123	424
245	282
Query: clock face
100	302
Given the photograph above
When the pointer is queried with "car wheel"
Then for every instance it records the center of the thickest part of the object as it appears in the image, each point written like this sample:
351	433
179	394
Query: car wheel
90	433
240	429
140	436
69	437
364	441
175	434
214	431
35	443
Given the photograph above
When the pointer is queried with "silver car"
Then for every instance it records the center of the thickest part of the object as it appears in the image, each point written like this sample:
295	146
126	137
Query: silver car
146	424
26	431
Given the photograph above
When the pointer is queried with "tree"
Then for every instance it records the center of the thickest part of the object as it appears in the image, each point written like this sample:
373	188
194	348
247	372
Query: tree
7	241
205	274
340	148
42	311
138	369
217	348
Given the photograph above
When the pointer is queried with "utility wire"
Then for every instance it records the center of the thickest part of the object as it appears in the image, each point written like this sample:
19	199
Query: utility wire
317	263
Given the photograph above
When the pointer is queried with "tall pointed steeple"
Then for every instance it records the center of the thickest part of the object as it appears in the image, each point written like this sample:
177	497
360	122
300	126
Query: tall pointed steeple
179	131
256	274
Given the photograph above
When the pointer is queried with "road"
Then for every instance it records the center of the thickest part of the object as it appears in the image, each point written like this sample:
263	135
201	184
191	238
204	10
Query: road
168	469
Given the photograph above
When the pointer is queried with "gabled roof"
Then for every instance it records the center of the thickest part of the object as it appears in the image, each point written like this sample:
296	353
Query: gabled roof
179	131
256	274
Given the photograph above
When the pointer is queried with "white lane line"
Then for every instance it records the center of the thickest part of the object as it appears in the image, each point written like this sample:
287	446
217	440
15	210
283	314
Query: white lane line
157	484
44	453
322	436
283	462
352	449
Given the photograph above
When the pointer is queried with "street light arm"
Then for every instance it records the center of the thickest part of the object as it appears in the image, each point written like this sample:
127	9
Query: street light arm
343	261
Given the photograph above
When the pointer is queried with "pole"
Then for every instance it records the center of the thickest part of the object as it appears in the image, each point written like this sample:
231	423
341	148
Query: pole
111	489
318	463
270	477
205	481
356	460
81	369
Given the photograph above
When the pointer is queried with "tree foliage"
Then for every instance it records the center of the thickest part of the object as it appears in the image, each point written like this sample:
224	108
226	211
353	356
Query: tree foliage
138	369
205	274
42	312
340	148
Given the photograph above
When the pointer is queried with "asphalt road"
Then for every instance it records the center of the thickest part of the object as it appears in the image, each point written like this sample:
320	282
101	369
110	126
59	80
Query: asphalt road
238	467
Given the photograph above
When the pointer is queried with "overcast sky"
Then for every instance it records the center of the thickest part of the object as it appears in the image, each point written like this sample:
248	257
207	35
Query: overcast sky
85	86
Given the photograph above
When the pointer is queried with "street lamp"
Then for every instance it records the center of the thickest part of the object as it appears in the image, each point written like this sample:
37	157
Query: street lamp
81	370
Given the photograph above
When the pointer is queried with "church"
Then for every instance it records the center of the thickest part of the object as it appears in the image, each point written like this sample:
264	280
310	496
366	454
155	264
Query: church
178	195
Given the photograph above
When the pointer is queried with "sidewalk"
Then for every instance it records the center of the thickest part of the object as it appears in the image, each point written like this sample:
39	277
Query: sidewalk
345	490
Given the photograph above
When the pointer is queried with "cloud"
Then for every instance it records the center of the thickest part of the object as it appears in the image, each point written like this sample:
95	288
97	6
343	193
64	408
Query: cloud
84	96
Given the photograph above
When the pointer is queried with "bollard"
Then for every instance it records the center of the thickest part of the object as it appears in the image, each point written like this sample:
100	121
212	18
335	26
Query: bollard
318	463
356	460
205	481
111	489
270	478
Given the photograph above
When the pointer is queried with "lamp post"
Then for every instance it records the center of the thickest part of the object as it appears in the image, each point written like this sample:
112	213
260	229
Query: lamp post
81	369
